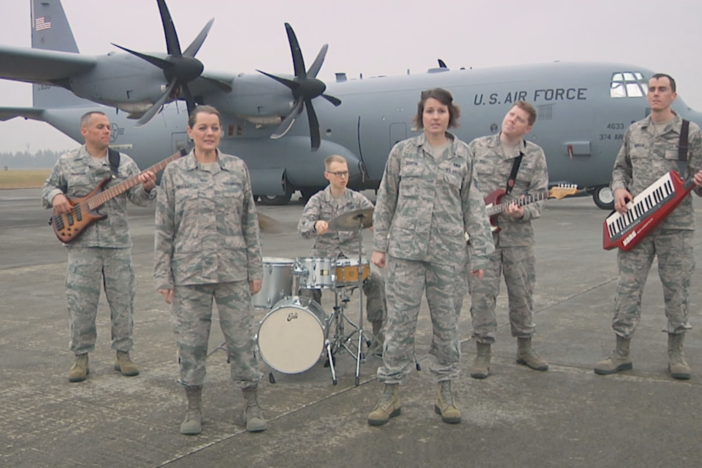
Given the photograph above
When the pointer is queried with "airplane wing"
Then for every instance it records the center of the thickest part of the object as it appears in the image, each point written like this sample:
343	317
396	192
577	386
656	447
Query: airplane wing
33	113
41	66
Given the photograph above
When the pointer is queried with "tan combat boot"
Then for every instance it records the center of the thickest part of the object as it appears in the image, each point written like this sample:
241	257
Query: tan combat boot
528	357
79	370
481	364
253	415
125	365
388	406
619	360
192	424
677	365
445	406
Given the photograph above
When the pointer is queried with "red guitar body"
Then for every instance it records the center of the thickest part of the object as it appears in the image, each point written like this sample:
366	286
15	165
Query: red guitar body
493	199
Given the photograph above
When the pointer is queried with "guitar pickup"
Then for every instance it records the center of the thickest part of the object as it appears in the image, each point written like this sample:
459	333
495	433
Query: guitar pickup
69	218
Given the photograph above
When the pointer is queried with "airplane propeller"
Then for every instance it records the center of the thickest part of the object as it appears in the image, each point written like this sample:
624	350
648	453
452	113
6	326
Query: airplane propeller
179	68
305	87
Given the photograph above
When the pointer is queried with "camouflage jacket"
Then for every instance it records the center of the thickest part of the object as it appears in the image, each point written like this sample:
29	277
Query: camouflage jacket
206	224
323	206
645	157
425	206
75	174
493	169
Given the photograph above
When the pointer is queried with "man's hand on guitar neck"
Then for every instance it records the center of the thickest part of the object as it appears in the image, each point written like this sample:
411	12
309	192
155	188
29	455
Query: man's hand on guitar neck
148	180
61	204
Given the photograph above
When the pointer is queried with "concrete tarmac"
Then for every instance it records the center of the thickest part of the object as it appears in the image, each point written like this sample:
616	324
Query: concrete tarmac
567	416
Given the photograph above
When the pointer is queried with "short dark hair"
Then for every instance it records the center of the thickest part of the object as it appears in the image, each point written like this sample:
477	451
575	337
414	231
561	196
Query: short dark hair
658	76
85	118
203	110
529	109
445	98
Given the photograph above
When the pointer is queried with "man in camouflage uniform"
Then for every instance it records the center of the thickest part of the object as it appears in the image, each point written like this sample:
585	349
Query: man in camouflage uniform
333	201
514	255
427	200
102	253
649	151
207	248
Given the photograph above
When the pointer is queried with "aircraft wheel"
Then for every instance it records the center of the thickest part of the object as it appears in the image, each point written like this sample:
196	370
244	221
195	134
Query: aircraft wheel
603	197
278	200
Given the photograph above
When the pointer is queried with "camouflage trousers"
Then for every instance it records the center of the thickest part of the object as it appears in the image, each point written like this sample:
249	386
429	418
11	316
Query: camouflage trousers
675	265
88	269
406	283
192	312
373	289
517	264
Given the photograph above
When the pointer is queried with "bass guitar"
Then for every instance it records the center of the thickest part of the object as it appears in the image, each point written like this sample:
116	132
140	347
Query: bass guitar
69	226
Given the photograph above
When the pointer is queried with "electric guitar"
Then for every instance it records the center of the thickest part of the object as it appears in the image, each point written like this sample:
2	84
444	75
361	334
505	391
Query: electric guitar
68	227
494	206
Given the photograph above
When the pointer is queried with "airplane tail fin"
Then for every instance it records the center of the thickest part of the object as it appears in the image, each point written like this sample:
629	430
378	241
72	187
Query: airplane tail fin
51	31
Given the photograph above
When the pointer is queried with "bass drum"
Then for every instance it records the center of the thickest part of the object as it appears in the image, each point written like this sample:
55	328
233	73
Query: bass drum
291	336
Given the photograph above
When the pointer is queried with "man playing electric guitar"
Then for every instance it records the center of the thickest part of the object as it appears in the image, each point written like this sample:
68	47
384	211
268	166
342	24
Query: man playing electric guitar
507	160
102	253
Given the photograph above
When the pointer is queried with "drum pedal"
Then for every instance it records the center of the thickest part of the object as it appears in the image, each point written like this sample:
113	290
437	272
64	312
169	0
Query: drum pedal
271	379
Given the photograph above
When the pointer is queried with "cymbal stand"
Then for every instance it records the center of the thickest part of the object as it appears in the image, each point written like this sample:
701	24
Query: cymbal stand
361	333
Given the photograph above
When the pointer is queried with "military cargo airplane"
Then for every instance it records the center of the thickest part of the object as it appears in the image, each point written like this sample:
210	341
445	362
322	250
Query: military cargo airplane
583	108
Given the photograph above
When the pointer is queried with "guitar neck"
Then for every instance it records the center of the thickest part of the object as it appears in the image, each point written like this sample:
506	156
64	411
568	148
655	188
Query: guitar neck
500	208
103	197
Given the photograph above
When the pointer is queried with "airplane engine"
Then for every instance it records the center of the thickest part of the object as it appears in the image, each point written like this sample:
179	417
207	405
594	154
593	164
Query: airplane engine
257	100
123	85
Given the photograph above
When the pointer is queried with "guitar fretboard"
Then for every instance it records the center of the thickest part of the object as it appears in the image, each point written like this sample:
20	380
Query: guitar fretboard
500	208
101	198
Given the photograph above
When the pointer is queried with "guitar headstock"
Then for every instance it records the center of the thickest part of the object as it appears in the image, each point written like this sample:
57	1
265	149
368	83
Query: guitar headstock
562	191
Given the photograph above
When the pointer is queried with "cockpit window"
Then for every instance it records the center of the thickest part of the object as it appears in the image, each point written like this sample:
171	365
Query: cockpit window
628	84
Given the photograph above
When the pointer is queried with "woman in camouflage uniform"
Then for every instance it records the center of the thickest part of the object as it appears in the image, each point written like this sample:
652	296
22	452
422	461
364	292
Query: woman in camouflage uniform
208	248
427	201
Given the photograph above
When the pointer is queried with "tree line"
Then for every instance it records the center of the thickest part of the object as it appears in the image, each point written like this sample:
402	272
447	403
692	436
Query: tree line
43	159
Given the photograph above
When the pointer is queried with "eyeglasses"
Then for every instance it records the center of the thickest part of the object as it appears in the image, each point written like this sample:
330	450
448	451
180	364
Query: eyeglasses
340	173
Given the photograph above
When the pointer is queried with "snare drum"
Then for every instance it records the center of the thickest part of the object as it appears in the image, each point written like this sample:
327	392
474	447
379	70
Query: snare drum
347	271
314	272
291	336
277	282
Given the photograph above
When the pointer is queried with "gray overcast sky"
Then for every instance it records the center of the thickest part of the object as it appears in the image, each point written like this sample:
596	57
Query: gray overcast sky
375	37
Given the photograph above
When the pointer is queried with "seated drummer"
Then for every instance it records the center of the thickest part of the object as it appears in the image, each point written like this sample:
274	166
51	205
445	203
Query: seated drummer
333	201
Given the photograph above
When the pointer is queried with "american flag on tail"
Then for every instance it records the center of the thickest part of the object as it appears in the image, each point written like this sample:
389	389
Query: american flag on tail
42	23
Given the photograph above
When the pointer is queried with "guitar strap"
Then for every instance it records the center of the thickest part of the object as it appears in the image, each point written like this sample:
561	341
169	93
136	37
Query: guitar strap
113	158
683	147
515	169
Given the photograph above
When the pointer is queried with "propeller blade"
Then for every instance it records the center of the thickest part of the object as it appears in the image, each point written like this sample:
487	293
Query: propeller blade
442	64
172	43
298	61
153	110
332	99
158	62
222	85
314	69
314	125
189	100
287	124
289	83
197	43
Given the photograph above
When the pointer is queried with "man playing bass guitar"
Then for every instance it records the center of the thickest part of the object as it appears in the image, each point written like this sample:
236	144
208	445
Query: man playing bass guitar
651	149
102	253
507	160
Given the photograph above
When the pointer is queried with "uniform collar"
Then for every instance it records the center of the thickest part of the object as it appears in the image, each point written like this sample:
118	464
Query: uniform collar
495	142
191	162
330	198
672	126
454	144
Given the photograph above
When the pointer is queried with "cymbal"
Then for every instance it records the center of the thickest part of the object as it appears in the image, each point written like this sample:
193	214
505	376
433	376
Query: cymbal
352	220
268	224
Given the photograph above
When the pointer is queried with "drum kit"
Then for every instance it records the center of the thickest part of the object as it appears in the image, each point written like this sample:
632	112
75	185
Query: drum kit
297	332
